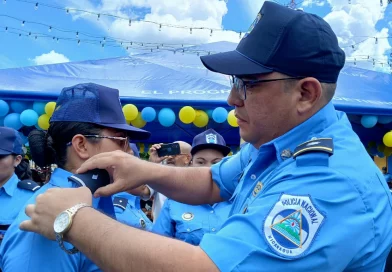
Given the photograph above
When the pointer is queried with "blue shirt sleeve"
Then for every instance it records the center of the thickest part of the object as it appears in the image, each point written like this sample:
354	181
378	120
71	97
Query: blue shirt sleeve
164	225
245	242
226	173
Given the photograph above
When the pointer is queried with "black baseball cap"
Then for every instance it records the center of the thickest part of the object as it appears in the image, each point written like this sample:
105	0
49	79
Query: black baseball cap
284	40
96	104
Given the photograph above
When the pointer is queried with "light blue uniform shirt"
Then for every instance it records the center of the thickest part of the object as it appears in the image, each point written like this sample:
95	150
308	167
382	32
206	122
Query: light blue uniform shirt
189	223
128	211
12	199
314	212
28	251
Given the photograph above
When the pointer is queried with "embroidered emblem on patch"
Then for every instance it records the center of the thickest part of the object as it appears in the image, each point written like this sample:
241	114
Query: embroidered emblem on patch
257	188
211	139
292	225
252	26
187	216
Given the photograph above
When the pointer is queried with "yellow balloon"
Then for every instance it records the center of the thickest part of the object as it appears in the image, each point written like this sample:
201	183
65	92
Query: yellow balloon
138	122
232	119
387	140
49	108
388	151
187	115
43	121
201	119
130	112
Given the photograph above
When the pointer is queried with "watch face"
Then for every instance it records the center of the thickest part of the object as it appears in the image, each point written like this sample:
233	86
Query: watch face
61	222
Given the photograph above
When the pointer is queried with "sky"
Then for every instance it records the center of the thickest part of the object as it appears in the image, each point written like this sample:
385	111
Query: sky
362	26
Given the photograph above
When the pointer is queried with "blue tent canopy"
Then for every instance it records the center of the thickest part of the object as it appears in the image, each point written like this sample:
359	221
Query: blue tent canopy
175	79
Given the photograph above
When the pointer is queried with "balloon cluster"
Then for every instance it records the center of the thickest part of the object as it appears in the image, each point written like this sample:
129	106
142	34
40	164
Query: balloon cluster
17	114
369	121
187	115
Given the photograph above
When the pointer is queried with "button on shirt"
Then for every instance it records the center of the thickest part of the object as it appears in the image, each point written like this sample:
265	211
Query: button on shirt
132	215
189	223
314	212
28	251
12	199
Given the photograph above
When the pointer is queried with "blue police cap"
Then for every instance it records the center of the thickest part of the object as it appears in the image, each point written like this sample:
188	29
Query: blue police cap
10	142
96	104
209	139
284	40
135	150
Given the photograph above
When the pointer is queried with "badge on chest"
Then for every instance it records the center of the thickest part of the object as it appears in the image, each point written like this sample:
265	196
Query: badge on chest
187	216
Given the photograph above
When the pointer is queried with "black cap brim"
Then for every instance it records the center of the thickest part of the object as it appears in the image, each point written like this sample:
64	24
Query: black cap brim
222	148
133	132
233	63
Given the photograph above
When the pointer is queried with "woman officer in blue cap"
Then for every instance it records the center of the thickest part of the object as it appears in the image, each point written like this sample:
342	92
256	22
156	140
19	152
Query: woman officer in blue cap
88	120
13	192
187	222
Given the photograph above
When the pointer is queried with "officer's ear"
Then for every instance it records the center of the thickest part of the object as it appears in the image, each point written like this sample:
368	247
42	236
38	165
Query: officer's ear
80	146
17	160
309	93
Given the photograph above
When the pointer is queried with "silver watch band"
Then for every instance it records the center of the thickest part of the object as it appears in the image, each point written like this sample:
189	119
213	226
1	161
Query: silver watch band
59	237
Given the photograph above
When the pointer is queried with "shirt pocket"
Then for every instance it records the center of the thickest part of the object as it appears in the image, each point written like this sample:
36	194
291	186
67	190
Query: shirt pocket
190	232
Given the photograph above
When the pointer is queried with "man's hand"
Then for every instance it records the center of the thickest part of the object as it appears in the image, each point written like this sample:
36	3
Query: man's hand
127	172
154	154
142	191
49	205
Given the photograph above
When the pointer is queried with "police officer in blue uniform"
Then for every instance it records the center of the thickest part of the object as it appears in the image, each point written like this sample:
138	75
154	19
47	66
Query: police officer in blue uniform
307	196
14	193
88	120
189	223
127	206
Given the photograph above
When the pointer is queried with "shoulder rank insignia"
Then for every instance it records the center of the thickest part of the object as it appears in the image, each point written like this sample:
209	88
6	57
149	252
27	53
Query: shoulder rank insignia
320	145
28	185
120	202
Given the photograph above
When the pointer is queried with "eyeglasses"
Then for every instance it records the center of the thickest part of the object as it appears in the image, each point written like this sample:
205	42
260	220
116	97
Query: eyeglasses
124	140
240	85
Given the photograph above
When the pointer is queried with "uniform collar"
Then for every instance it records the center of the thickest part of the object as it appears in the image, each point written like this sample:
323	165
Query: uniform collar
59	178
314	126
134	201
11	184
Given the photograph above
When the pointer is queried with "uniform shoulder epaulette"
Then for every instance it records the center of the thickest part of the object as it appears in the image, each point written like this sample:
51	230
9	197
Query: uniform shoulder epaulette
29	185
315	145
120	202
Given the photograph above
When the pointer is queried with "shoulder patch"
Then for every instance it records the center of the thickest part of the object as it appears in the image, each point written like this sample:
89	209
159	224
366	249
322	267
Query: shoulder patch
29	185
292	225
320	145
120	202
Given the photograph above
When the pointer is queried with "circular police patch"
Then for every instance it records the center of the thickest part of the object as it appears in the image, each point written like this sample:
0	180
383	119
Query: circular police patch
292	224
187	216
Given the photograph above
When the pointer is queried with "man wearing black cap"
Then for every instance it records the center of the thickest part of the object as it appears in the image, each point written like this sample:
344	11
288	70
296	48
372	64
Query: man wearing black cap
307	197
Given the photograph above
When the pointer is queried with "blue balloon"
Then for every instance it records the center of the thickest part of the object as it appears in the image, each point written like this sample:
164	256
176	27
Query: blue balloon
219	115
4	108
149	114
369	121
19	106
166	117
384	119
39	107
380	155
12	120
1	121
29	118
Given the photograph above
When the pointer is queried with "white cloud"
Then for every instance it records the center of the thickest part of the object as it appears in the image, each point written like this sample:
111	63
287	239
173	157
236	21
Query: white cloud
189	13
49	58
310	3
355	24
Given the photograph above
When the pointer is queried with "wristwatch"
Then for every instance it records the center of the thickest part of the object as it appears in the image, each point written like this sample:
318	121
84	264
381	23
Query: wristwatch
63	223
